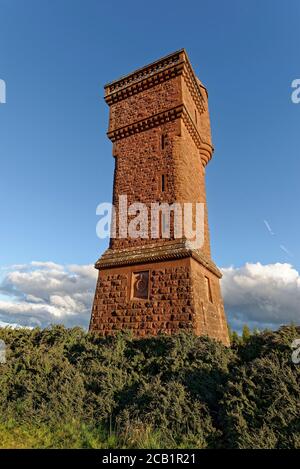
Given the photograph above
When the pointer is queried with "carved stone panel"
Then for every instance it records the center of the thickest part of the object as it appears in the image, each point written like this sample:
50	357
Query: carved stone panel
140	285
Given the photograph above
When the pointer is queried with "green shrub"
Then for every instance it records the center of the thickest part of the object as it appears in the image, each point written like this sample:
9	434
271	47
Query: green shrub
261	405
66	388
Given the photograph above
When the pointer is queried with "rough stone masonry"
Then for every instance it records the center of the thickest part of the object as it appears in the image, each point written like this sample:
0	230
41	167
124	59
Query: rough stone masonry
160	128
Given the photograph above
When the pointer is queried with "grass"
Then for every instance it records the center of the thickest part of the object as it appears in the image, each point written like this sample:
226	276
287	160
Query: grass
78	435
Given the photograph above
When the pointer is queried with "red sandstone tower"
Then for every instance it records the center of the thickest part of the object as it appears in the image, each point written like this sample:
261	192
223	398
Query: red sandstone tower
160	128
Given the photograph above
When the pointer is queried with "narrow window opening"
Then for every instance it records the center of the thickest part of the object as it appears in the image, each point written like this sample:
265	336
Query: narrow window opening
163	141
195	116
163	183
208	289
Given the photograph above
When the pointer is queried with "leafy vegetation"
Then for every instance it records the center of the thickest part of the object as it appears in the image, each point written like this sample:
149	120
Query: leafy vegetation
64	388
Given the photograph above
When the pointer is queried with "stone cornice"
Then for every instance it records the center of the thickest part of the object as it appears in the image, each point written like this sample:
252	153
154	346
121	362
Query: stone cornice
146	124
205	149
144	71
154	253
155	120
189	123
144	78
157	72
194	88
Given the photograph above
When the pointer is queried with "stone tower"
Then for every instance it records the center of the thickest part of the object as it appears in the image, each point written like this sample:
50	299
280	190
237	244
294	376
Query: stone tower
160	128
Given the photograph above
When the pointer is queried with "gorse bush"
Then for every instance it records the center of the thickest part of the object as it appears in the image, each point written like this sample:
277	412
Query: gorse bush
261	402
66	388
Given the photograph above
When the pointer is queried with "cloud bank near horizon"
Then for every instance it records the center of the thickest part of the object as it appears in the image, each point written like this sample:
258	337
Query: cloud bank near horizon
44	293
262	296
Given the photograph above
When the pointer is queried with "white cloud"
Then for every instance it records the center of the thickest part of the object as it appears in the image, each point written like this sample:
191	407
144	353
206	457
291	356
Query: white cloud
42	293
47	265
261	295
11	325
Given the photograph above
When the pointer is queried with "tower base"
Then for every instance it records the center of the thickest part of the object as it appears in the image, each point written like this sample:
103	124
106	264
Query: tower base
158	290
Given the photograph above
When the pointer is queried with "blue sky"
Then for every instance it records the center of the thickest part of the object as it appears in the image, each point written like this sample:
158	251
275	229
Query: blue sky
56	163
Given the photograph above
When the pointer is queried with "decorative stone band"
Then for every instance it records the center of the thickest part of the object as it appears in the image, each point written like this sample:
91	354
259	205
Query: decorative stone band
205	148
145	72
193	87
146	124
157	72
145	83
154	253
